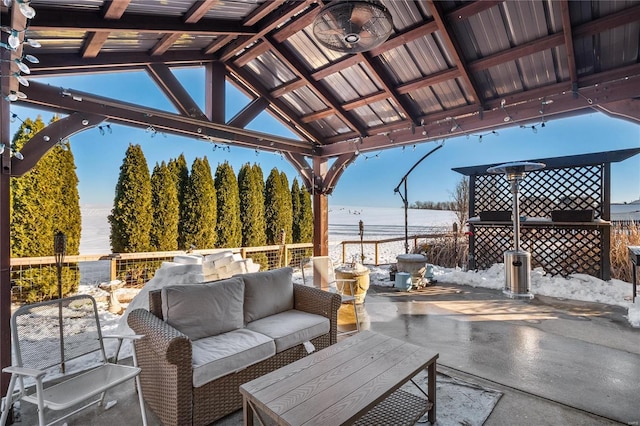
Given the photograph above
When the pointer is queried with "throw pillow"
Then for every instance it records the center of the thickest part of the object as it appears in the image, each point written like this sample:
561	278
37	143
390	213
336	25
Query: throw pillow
267	293
203	310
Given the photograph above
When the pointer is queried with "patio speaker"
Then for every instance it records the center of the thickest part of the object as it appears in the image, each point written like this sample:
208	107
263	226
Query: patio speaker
352	26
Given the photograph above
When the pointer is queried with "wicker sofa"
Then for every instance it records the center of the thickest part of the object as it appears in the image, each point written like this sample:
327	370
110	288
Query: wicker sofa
192	356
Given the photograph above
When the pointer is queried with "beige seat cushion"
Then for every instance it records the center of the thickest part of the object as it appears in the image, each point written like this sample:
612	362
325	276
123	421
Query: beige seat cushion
217	356
267	293
203	310
291	328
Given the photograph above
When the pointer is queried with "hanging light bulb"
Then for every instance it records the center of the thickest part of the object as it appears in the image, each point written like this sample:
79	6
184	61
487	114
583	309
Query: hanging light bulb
33	43
15	95
18	155
14	40
21	79
1	148
22	66
7	3
32	59
26	9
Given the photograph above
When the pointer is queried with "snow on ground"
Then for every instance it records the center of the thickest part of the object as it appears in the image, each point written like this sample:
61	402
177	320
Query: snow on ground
389	222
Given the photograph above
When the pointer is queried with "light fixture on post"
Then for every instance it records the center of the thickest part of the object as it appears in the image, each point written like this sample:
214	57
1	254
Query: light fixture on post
26	9
353	26
517	263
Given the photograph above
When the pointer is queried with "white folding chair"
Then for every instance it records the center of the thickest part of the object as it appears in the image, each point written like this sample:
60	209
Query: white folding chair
319	272
65	334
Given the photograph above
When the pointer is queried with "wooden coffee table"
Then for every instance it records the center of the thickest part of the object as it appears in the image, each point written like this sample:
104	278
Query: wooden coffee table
354	381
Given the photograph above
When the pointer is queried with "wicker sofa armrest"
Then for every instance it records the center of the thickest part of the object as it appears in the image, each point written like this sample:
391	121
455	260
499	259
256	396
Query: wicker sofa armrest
162	338
164	354
316	301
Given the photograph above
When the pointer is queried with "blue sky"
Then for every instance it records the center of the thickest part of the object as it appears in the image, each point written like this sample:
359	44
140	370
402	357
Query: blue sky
368	182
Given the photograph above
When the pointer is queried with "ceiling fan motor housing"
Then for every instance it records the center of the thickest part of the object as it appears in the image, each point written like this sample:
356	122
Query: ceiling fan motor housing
353	26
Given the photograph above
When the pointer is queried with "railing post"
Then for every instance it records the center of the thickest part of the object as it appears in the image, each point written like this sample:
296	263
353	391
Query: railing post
376	255
113	268
344	252
286	255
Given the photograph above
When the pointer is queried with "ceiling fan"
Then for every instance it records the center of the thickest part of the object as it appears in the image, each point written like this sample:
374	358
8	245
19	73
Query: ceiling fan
353	26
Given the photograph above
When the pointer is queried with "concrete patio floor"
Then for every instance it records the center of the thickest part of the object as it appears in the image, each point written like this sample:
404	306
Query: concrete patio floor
557	362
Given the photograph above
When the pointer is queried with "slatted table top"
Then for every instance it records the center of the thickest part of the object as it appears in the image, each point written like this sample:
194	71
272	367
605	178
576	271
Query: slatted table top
341	383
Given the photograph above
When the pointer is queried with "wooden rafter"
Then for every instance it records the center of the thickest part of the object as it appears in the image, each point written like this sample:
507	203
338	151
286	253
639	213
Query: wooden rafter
568	41
172	88
96	39
271	22
56	19
324	94
454	50
240	77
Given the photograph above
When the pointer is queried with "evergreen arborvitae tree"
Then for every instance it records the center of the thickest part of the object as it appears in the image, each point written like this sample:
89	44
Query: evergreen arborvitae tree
277	209
44	201
287	208
180	172
131	216
295	208
200	211
166	209
229	227
250	187
306	216
273	221
251	207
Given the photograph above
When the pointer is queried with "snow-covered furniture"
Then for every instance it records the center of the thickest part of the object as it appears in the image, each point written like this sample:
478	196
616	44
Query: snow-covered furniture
65	334
202	341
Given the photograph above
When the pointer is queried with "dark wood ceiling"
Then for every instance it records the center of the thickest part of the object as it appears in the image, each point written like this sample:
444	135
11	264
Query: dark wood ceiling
449	68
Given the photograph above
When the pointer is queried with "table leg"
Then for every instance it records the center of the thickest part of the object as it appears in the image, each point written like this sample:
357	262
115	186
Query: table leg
247	411
431	391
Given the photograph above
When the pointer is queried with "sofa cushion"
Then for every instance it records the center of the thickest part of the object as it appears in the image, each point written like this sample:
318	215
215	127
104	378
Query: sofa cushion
291	328
203	310
217	356
267	293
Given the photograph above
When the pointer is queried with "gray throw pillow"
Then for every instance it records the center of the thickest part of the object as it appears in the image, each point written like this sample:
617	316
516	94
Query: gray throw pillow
203	310
267	293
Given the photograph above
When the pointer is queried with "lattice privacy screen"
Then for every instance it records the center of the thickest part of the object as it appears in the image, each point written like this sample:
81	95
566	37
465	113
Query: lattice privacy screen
543	191
560	249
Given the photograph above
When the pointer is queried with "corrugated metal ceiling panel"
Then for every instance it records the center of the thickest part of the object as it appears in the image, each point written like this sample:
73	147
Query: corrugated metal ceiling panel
340	87
483	34
404	13
368	116
386	110
159	7
427	55
426	101
308	97
449	94
525	21
270	71
538	69
359	83
401	67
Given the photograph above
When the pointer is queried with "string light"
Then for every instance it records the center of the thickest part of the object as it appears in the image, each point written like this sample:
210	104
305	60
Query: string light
226	148
533	127
104	128
507	118
480	136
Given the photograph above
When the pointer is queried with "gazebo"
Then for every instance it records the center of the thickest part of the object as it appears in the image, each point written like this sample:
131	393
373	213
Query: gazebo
331	73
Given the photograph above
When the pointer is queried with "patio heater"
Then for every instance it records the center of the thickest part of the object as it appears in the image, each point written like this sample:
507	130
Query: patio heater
517	263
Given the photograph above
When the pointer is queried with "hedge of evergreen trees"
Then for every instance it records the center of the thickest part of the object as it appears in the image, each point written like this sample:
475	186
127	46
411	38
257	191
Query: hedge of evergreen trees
177	208
44	201
171	208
